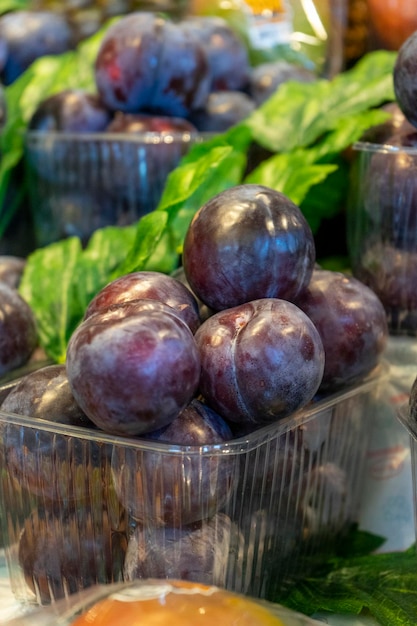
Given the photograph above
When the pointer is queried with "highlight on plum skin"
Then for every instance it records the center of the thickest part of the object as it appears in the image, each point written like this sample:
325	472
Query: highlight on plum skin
257	244
260	361
133	371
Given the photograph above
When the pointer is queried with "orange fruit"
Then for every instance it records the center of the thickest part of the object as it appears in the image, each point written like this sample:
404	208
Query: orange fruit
176	603
392	21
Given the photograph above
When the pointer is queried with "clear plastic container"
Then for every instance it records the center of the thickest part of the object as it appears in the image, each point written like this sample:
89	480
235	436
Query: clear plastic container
81	182
382	228
79	507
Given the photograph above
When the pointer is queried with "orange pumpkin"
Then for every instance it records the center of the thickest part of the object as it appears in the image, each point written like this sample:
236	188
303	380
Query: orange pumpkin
176	603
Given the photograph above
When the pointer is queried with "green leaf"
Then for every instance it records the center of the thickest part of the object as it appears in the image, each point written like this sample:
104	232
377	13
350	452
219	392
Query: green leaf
299	113
381	585
147	236
106	249
291	173
61	278
14	5
50	273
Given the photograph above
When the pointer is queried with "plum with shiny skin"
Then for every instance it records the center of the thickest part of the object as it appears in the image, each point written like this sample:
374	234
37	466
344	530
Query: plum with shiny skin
227	54
148	63
390	191
11	269
160	486
352	324
44	462
70	110
18	330
199	552
148	285
257	244
391	273
260	361
46	394
63	553
223	109
30	35
147	123
135	371
405	78
267	77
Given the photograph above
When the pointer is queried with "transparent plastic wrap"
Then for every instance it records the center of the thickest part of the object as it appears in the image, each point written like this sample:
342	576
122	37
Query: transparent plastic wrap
79	507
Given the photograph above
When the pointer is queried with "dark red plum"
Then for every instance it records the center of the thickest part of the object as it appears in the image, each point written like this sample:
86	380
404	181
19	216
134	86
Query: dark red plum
30	35
46	463
160	486
326	500
390	191
18	331
71	110
63	554
133	373
256	243
405	78
226	52
11	269
203	309
198	552
45	394
352	324
148	63
260	361
147	123
392	274
223	110
267	77
396	125
152	286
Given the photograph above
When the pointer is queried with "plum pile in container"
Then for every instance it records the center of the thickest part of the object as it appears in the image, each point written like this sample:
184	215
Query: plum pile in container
101	157
382	211
208	426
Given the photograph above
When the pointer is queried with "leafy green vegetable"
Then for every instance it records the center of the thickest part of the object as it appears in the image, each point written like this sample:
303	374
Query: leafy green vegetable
298	114
61	279
383	586
305	128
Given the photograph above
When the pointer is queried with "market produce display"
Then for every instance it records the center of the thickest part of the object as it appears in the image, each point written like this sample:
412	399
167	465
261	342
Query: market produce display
142	365
139	361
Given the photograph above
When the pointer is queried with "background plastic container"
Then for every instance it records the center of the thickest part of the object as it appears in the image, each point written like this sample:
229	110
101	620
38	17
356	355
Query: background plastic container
79	507
382	228
81	182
